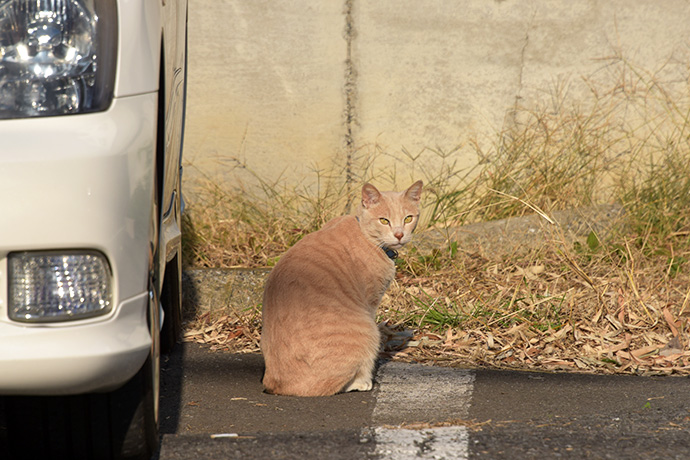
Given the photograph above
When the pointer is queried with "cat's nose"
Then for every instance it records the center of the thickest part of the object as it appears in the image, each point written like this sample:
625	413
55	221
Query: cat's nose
398	235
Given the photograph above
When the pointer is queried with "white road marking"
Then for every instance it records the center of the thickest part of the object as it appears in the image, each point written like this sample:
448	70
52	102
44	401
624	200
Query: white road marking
442	443
409	393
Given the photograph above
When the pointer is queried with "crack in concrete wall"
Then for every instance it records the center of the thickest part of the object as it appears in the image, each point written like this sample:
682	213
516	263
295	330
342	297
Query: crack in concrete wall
350	94
521	69
512	117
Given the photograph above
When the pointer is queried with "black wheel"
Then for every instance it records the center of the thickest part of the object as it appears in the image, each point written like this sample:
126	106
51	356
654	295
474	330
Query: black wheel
171	300
135	408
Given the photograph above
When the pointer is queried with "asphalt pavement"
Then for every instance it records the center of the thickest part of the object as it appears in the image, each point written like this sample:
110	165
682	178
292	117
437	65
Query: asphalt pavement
213	407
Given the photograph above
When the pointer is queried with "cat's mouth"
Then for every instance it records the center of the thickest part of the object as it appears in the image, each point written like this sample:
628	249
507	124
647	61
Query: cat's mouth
394	246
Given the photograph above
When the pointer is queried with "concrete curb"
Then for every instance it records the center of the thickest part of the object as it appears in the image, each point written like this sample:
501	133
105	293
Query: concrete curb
236	289
221	289
498	238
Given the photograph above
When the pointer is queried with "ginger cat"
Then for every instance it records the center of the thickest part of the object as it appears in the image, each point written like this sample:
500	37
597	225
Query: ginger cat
319	329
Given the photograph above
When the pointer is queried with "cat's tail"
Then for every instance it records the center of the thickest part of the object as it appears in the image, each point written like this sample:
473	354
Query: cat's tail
304	386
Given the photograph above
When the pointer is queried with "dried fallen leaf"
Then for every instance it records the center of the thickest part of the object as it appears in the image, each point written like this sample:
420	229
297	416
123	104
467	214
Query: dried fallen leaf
640	352
673	347
671	322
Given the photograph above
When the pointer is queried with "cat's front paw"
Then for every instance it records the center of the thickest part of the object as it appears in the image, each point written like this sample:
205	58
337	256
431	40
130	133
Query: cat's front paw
360	385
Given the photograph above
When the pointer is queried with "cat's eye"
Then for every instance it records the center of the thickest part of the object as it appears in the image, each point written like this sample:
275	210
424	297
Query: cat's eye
408	219
384	221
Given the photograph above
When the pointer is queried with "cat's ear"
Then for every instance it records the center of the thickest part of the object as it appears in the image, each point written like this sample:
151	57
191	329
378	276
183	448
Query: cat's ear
370	196
414	193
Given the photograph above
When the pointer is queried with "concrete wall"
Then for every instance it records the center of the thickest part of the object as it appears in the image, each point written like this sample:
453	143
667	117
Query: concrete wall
281	89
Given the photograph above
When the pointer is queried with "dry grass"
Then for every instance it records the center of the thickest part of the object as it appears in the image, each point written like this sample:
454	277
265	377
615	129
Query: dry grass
618	304
611	316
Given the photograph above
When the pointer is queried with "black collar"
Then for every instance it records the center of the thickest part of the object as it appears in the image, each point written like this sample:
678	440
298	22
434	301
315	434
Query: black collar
391	253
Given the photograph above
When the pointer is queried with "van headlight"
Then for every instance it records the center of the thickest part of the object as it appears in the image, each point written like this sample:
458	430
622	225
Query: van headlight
58	286
57	57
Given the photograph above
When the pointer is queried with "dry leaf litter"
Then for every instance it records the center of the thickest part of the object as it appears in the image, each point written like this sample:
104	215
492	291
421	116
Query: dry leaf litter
546	313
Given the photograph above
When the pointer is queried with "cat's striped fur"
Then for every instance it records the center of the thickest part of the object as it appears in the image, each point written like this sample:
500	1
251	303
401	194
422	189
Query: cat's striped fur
319	331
